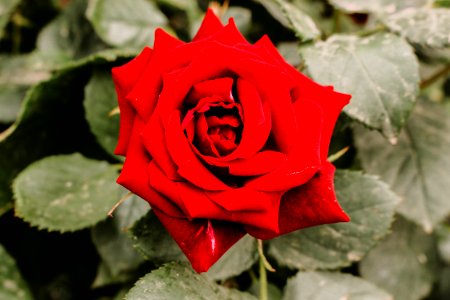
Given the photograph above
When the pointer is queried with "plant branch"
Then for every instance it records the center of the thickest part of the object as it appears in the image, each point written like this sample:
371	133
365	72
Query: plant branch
264	265
430	80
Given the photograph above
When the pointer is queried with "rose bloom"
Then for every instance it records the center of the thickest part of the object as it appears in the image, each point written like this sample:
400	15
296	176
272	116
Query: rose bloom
224	138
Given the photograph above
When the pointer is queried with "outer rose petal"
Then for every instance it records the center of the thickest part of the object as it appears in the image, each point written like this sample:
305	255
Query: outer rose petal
261	210
311	204
303	161
124	78
210	25
144	94
331	103
153	138
134	174
202	241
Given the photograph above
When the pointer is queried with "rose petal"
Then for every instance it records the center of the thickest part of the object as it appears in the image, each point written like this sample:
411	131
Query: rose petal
206	104
212	61
204	143
188	164
221	87
257	120
313	203
230	120
230	34
124	78
171	54
261	163
153	138
202	241
144	94
261	211
217	59
210	25
134	173
303	160
331	103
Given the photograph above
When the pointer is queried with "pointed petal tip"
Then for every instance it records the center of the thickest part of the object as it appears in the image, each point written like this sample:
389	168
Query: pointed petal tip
210	25
344	218
165	41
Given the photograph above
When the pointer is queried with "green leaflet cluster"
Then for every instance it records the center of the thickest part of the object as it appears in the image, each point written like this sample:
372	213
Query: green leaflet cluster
58	131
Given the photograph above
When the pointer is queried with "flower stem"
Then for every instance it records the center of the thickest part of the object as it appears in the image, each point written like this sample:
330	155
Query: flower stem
263	295
264	265
430	80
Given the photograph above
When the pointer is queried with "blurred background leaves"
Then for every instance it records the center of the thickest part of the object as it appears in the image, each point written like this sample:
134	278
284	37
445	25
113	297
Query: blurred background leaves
57	136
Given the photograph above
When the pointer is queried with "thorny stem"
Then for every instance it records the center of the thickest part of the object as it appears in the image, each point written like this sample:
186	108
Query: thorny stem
430	80
264	265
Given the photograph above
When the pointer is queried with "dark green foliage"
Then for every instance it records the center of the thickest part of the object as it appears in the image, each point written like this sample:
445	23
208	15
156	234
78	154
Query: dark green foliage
58	169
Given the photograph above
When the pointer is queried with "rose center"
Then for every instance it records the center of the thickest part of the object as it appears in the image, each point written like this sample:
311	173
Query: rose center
218	130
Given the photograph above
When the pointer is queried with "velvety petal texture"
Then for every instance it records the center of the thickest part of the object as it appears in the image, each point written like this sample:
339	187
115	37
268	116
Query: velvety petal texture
224	138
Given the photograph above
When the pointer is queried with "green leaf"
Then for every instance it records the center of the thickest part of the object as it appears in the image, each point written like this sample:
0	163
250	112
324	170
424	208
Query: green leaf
128	24
379	71
100	100
23	70
6	9
443	285
370	204
112	241
404	263
331	286
69	35
275	11
153	242
66	192
12	286
442	3
104	277
242	17
51	120
273	291
17	74
418	167
377	6
289	51
427	27
236	260
179	281
443	235
10	101
303	26
291	16
192	9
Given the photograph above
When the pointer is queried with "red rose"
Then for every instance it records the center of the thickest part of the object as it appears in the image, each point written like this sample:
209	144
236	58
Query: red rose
225	138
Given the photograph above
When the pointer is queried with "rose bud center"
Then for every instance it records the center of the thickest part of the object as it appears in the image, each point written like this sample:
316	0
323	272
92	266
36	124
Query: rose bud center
213	121
222	132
